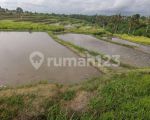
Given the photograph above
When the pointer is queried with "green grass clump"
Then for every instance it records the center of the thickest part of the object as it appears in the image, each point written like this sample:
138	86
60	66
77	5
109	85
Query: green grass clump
55	113
138	39
10	107
127	96
69	95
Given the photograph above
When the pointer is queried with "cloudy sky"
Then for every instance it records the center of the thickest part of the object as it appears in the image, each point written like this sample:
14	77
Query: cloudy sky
81	6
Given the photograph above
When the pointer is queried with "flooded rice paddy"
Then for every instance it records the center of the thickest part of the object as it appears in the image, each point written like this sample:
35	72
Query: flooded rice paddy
127	55
16	68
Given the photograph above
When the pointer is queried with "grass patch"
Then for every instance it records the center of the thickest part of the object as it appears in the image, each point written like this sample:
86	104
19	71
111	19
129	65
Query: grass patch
11	106
125	97
115	96
29	26
55	113
89	30
137	39
68	95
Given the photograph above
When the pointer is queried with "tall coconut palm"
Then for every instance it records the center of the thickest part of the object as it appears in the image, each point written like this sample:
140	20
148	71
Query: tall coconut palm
116	20
134	21
147	23
19	11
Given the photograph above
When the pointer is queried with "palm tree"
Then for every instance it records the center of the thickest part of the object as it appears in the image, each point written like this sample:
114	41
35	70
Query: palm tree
116	20
134	21
19	10
129	24
147	23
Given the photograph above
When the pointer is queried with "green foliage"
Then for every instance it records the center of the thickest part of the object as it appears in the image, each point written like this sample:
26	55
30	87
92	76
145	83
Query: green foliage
19	10
126	97
10	107
55	113
68	95
133	25
116	96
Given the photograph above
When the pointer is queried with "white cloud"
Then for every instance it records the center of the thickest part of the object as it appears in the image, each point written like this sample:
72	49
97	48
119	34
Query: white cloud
80	6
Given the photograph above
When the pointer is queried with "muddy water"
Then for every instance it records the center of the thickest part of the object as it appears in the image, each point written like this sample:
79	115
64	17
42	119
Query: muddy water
143	48
128	55
16	68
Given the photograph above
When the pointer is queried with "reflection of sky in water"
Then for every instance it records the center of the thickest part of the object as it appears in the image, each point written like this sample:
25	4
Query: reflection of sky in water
16	68
127	55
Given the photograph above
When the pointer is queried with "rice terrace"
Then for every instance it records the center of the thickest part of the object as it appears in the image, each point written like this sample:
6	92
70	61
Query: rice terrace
62	61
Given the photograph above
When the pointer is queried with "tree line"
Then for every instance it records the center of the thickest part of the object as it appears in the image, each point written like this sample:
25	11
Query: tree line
135	24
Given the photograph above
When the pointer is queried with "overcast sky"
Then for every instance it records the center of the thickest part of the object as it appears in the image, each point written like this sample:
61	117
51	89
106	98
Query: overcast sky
81	6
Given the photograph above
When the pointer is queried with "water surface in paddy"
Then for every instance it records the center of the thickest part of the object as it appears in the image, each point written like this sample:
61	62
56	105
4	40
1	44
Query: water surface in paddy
16	69
128	55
